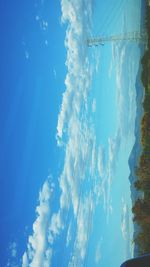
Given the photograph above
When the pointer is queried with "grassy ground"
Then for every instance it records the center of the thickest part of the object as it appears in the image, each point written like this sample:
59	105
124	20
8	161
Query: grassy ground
141	208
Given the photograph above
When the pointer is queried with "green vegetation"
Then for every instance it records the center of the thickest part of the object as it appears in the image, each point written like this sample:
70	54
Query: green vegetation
141	208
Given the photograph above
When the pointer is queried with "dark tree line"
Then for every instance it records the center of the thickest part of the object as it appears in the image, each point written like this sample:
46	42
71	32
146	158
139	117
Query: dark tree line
141	208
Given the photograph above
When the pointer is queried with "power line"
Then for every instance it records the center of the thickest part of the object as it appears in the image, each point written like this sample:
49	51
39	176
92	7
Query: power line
135	36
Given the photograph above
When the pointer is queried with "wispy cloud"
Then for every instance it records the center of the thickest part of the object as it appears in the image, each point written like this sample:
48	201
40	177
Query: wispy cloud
113	151
82	233
26	54
101	162
13	253
106	164
125	98
55	226
55	73
123	221
69	234
125	66
94	105
114	144
26	51
125	229
42	22
13	249
98	253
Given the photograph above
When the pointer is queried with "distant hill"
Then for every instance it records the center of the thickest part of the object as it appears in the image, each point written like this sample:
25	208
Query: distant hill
139	162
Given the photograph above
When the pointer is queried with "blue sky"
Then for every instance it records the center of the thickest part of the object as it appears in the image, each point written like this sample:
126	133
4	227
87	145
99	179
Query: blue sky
67	129
31	98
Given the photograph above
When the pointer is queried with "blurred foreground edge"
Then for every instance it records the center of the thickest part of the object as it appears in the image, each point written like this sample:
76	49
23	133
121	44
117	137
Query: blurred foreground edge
143	261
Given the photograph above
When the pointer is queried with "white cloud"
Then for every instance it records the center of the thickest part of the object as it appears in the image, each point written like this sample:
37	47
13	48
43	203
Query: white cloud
37	253
75	133
82	160
97	58
107	169
95	54
85	213
55	226
46	42
43	24
69	235
124	220
13	253
78	78
94	105
126	230
113	147
72	128
101	161
37	18
25	261
27	54
79	158
126	68
55	73
125	99
13	249
98	254
48	257
25	50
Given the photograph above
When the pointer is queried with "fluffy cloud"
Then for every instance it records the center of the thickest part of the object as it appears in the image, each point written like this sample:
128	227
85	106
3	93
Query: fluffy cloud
73	129
79	160
38	253
78	78
55	226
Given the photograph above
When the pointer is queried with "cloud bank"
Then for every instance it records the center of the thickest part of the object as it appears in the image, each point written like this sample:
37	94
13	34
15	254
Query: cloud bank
125	67
75	133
